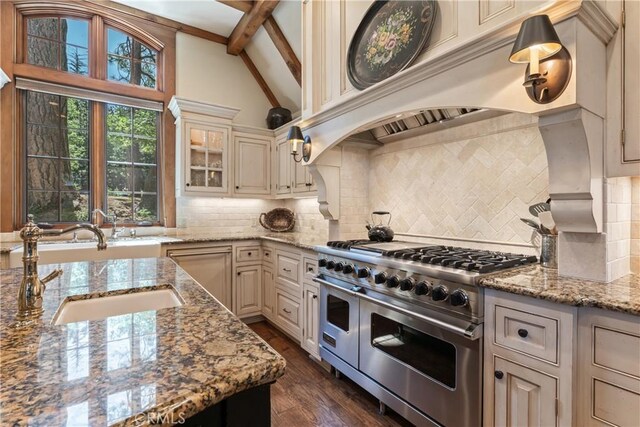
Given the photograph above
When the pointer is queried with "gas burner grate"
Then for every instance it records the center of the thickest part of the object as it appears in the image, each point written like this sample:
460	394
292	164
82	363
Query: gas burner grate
346	244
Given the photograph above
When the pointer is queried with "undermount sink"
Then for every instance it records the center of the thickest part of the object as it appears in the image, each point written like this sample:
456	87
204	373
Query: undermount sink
54	253
78	310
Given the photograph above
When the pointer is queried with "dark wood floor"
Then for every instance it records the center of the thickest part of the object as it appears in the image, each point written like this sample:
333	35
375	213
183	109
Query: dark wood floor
308	395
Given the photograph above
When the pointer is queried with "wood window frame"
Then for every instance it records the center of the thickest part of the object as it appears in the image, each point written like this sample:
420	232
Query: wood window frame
159	37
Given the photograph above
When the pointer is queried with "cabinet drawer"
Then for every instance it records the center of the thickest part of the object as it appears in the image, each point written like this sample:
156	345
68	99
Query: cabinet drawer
267	255
248	253
616	350
288	268
310	267
288	312
531	334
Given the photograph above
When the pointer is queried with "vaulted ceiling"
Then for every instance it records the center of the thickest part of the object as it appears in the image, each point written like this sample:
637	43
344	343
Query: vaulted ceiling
265	34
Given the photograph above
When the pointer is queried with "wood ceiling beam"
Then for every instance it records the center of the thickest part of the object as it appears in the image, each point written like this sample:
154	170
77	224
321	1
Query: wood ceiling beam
242	5
283	46
249	24
256	75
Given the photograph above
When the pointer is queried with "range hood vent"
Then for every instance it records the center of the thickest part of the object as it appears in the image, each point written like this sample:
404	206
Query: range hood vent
425	121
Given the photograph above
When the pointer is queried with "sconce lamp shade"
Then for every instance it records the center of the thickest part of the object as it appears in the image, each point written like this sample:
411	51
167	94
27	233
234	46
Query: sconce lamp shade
537	34
295	135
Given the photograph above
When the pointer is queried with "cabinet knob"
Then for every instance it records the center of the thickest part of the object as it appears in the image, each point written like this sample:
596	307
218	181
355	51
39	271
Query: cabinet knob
523	333
239	273
315	297
498	374
188	184
237	187
288	186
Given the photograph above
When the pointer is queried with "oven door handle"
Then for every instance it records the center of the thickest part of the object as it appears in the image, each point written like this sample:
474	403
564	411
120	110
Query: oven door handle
472	332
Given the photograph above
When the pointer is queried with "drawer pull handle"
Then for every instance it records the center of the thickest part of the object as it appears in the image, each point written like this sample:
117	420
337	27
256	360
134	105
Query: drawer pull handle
311	269
523	333
287	270
286	311
498	374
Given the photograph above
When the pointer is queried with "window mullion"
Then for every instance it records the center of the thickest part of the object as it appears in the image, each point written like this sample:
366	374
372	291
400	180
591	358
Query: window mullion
97	49
98	171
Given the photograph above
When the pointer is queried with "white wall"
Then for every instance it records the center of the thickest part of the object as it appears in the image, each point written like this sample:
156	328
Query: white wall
204	72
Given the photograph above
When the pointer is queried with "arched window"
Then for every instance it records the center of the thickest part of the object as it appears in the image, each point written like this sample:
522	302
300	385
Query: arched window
92	119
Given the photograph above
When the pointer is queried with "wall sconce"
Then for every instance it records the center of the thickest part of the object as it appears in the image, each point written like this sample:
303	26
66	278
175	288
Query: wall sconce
295	137
549	69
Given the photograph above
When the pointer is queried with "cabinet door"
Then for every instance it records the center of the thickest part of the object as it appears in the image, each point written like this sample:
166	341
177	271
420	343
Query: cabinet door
311	314
283	181
268	292
631	148
523	397
210	268
248	290
206	159
299	177
252	165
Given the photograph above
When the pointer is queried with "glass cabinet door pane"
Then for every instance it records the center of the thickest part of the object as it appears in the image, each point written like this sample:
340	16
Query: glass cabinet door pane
198	158
197	178
197	137
214	139
215	179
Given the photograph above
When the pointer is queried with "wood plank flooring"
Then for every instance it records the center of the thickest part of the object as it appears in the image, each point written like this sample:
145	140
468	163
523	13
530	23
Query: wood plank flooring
308	395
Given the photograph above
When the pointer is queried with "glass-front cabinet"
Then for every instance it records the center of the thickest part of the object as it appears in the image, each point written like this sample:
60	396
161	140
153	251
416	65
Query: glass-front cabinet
203	147
206	162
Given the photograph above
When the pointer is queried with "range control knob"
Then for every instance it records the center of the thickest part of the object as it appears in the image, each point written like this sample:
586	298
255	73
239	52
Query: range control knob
348	269
422	288
459	298
339	266
407	284
439	293
364	272
330	265
380	277
392	282
322	262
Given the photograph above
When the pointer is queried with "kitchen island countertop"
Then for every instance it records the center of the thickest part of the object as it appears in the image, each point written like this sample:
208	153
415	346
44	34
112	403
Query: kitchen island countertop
128	369
621	295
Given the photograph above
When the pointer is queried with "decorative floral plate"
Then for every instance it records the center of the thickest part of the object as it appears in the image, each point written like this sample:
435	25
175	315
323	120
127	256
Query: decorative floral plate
389	38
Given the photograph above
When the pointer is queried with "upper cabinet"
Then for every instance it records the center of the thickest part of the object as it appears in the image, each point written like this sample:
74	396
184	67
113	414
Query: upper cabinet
292	179
631	91
203	147
252	164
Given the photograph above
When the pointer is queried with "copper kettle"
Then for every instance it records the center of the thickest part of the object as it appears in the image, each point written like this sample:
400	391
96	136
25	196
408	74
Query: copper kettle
379	232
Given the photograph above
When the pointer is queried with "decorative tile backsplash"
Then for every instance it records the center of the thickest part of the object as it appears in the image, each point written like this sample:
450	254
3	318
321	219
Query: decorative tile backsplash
474	181
618	226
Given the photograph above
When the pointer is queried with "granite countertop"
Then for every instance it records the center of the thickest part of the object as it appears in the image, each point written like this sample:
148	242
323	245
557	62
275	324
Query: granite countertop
298	240
621	295
116	371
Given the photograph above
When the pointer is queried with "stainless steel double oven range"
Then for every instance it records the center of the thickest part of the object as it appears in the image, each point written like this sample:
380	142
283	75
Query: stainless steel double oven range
405	322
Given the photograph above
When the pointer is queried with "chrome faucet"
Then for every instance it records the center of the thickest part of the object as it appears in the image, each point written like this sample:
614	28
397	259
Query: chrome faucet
115	231
32	286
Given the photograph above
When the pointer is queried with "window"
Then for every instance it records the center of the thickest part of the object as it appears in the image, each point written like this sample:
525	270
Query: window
85	146
59	43
129	60
57	149
132	135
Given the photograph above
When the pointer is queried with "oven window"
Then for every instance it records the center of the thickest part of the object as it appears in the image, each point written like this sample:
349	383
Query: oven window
338	312
429	355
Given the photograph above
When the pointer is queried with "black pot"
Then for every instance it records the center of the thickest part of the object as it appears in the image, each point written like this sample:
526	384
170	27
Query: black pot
277	117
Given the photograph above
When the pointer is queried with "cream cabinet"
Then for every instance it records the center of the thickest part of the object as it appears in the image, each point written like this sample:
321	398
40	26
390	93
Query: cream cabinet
302	181
268	292
529	369
526	397
310	325
248	290
252	166
631	91
283	168
609	366
203	147
208	265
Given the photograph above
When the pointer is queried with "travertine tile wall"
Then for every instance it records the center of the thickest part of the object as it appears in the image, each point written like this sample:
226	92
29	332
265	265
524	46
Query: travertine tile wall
618	226
216	215
224	216
309	220
354	193
635	225
473	181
